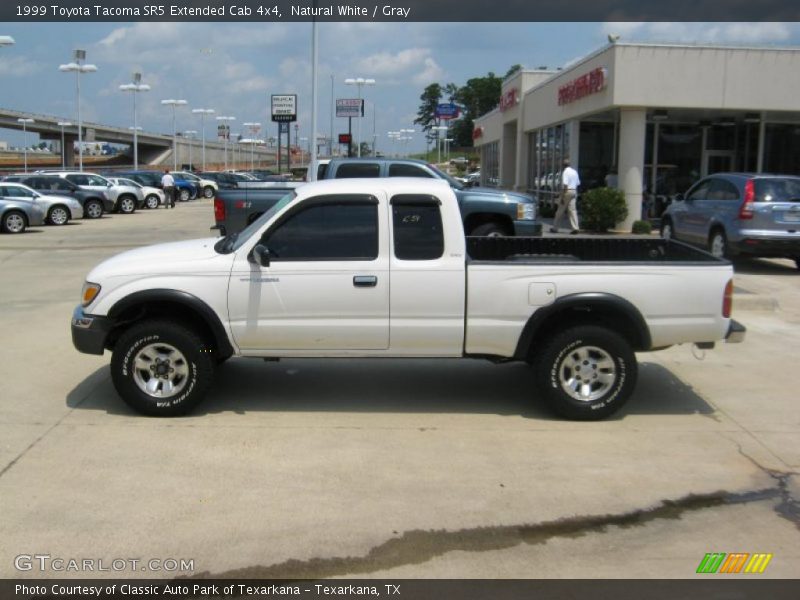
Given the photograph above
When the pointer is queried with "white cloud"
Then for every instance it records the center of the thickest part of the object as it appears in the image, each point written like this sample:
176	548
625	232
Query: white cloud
18	66
430	74
699	33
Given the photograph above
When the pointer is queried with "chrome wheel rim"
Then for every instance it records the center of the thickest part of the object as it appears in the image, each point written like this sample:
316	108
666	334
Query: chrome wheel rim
718	246
152	202
15	223
160	370
94	210
208	192
184	196
127	205
495	234
58	216
587	373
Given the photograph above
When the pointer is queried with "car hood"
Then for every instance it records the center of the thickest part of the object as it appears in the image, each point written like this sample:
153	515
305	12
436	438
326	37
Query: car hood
181	258
482	192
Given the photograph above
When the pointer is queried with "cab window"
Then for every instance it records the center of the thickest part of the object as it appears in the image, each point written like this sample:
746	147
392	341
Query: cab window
333	229
358	169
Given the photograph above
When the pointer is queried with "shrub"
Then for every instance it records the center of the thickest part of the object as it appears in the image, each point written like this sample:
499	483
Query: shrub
602	209
643	227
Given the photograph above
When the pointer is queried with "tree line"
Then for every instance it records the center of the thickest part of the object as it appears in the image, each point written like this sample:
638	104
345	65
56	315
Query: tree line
477	96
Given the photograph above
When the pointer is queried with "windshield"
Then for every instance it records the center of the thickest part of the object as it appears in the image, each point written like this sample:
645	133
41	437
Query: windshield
234	241
189	176
454	183
129	182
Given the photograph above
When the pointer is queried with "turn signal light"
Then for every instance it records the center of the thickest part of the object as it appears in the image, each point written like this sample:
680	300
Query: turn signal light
89	293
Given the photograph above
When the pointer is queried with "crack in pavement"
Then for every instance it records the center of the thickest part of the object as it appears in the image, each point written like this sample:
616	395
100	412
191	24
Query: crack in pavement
418	546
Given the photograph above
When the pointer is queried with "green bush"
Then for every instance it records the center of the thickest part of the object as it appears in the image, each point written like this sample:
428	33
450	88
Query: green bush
643	227
602	209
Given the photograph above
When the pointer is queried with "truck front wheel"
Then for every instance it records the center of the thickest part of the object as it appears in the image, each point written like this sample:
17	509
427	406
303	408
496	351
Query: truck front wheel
586	373
161	368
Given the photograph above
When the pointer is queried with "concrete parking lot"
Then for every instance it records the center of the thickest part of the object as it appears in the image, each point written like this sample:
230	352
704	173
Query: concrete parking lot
388	468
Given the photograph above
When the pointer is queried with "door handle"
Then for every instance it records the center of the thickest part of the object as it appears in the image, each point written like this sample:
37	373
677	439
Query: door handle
365	281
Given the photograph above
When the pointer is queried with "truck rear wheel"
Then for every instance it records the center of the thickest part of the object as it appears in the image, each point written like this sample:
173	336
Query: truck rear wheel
586	373
162	369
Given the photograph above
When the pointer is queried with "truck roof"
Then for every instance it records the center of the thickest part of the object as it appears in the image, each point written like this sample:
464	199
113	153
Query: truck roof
373	159
408	185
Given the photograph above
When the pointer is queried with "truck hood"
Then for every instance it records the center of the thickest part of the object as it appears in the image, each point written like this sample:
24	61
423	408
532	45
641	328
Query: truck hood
483	192
183	258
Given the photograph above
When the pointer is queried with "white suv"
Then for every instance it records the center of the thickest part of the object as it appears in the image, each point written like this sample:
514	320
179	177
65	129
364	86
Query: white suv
126	198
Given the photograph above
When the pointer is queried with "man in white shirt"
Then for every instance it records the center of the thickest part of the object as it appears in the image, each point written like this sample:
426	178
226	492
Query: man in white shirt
168	183
567	203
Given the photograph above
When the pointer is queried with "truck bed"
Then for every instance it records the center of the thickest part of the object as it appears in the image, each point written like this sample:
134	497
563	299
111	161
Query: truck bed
536	250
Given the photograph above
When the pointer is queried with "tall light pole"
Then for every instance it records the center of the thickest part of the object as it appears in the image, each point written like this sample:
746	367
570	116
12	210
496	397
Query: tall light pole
63	124
25	123
407	136
253	127
189	134
359	82
312	158
135	87
174	104
203	112
439	129
225	120
78	67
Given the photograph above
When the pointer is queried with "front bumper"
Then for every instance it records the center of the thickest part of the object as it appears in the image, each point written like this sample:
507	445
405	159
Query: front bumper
527	228
736	333
89	332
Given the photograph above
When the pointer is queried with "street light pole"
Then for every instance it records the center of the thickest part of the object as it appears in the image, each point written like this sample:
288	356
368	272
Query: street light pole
203	112
63	124
224	120
25	123
135	87
174	104
359	82
253	128
189	134
78	68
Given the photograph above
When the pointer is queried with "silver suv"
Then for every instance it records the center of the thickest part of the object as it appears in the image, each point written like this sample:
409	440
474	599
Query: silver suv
754	214
126	198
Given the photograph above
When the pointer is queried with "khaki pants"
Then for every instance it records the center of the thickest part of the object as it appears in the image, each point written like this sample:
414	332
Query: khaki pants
567	203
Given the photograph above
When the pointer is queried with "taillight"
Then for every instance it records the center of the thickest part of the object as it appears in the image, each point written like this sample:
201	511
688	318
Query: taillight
746	209
219	210
727	300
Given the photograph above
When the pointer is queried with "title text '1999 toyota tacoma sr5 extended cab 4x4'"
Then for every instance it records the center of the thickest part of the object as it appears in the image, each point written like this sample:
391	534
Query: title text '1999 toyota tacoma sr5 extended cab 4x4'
381	268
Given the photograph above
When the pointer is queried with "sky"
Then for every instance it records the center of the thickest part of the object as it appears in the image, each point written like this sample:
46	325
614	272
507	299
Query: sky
234	67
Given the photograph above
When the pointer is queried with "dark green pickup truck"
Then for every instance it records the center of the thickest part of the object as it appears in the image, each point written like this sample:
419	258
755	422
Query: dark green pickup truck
485	211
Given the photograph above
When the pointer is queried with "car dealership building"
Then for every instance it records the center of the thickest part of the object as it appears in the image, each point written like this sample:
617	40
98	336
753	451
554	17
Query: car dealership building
655	117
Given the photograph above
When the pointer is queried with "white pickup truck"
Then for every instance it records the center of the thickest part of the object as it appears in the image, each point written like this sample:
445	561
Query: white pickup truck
381	268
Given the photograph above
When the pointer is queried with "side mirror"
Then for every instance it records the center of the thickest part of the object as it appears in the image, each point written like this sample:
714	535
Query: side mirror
261	255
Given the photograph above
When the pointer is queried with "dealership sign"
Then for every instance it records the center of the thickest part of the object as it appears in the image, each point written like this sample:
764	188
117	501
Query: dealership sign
509	99
477	133
349	107
284	107
446	111
589	83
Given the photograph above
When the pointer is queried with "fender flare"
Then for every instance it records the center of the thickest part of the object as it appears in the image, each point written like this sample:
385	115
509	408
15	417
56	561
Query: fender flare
586	301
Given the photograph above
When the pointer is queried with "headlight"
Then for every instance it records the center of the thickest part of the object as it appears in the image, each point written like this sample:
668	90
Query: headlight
526	211
89	293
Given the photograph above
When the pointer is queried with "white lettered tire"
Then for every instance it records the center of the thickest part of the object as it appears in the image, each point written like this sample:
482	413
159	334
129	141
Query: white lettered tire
586	373
161	368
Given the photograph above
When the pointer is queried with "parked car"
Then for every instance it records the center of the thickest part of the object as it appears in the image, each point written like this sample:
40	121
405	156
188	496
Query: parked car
18	215
753	214
459	160
208	187
153	197
126	198
379	268
184	190
471	179
58	210
94	203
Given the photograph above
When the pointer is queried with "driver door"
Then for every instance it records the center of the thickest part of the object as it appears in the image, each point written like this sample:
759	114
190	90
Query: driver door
326	289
